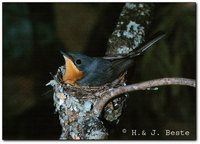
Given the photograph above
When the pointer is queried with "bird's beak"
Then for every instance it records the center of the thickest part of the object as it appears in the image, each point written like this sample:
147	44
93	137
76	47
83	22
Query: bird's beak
66	56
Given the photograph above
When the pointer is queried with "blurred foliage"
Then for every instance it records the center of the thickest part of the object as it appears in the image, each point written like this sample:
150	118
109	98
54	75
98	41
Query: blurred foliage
29	45
18	38
33	33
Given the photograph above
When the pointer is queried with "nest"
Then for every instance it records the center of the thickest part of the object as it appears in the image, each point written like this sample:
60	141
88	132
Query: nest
75	105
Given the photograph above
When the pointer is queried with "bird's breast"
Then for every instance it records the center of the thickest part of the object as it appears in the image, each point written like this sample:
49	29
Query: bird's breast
72	73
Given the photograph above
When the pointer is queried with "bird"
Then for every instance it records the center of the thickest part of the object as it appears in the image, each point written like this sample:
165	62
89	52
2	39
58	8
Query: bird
84	70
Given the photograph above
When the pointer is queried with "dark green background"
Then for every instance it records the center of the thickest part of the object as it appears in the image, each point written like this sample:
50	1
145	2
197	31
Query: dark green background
33	33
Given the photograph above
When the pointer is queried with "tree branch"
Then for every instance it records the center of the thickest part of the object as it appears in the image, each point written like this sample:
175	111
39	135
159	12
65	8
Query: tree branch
108	95
131	28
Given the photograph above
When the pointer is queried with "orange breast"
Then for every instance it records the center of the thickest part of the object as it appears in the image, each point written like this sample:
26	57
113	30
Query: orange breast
72	73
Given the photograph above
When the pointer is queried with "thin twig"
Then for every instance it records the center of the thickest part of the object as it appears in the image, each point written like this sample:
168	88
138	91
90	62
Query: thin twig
108	95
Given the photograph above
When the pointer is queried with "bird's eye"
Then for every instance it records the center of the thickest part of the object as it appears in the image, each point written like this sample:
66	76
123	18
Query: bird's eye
78	61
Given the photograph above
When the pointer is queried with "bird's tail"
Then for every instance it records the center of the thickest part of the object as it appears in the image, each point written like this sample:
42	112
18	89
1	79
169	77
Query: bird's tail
146	45
140	49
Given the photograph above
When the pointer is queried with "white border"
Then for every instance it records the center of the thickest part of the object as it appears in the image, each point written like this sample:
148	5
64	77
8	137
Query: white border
1	69
100	1
132	141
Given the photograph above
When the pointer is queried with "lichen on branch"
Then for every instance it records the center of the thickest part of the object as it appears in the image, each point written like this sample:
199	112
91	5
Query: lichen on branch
130	30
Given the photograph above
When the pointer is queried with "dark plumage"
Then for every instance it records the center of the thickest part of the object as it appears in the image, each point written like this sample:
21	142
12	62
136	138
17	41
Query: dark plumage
101	70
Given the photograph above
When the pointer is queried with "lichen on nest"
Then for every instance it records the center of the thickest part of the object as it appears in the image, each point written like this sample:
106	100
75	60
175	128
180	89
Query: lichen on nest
75	106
